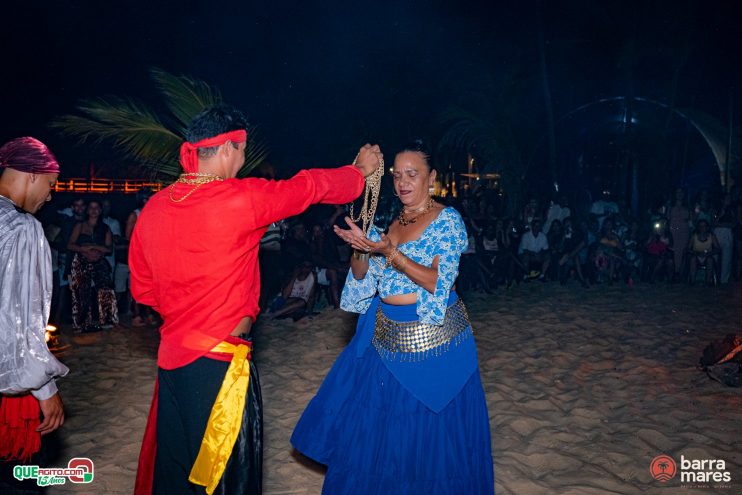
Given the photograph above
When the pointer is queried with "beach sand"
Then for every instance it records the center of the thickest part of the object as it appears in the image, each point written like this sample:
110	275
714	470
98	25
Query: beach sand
585	388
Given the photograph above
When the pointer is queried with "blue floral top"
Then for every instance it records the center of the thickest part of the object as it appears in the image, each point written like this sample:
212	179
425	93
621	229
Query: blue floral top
444	237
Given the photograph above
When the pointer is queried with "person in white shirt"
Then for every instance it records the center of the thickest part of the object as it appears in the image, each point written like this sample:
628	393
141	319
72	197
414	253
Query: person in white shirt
30	404
534	248
557	211
297	297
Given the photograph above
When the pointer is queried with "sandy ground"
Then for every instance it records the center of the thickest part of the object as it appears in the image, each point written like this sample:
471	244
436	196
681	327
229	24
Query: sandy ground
585	388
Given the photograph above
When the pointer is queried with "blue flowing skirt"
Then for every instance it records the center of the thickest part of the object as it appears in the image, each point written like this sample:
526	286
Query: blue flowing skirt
377	438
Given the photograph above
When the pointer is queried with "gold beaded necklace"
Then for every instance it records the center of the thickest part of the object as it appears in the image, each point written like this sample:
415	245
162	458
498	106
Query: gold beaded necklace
404	221
371	192
193	179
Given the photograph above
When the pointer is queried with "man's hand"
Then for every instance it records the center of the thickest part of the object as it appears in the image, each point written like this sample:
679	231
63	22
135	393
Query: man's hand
53	412
369	159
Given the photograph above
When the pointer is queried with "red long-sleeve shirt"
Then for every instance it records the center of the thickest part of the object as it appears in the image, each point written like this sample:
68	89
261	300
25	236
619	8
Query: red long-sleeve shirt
196	261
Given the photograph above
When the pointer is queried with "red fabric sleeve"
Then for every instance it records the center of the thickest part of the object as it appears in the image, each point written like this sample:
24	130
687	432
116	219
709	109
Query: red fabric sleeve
275	200
141	275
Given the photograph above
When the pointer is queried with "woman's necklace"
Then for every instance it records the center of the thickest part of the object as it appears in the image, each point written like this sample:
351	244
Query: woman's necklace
404	221
193	179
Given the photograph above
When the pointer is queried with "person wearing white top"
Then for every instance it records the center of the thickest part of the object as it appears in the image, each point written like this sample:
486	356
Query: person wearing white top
534	248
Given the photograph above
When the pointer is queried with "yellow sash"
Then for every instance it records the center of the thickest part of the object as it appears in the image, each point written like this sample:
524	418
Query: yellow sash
224	421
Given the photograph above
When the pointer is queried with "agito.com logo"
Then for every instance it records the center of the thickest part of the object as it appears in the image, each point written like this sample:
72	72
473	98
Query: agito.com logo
78	470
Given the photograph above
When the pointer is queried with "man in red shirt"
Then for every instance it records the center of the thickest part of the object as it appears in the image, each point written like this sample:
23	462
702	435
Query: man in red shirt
194	258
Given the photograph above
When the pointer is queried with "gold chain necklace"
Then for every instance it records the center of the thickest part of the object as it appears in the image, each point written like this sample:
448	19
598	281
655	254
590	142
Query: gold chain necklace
421	211
371	192
193	179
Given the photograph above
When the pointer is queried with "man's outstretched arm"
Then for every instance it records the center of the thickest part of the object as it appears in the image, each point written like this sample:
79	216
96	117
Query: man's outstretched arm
276	200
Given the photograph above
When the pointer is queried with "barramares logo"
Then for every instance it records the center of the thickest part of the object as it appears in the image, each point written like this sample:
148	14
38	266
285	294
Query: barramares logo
699	473
78	470
663	468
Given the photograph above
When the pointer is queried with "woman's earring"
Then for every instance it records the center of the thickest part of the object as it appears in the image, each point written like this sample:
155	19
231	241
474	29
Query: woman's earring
395	194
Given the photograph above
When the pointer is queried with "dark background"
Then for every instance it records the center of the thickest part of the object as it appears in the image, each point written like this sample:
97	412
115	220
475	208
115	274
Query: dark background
321	78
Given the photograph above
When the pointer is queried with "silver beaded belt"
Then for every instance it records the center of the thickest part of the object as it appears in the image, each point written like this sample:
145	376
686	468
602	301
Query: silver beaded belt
417	339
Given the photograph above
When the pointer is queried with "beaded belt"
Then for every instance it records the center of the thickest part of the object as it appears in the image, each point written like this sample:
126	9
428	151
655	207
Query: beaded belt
413	337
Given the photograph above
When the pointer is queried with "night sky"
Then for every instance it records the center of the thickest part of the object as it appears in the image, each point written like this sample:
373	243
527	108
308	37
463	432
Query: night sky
321	78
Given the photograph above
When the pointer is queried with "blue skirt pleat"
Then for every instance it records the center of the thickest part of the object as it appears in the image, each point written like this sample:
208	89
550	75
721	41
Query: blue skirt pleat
377	438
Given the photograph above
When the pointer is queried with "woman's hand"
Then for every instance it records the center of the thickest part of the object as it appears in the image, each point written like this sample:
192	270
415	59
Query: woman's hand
358	241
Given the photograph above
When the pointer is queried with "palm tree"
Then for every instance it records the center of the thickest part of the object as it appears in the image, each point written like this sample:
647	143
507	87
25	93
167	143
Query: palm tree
139	133
492	139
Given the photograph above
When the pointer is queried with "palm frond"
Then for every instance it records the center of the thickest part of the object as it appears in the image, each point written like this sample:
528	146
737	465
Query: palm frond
138	133
128	125
256	152
185	97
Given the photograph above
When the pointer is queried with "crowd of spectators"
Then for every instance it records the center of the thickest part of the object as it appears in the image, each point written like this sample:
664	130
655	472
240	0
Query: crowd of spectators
696	241
304	264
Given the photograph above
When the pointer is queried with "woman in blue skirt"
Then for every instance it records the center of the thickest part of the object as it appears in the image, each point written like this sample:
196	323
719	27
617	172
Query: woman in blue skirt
402	411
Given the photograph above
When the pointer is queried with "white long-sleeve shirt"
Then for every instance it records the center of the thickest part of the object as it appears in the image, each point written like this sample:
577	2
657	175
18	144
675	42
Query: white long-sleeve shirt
26	364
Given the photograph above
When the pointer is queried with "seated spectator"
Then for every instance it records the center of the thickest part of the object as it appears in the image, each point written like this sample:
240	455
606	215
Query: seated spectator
297	298
575	249
534	248
660	252
327	264
473	274
632	252
556	246
702	247
610	255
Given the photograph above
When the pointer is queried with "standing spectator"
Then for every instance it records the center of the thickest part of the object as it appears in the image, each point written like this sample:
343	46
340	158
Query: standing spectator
28	371
558	210
296	247
680	229
534	248
269	261
703	209
723	232
141	314
115	227
93	298
69	217
603	208
737	232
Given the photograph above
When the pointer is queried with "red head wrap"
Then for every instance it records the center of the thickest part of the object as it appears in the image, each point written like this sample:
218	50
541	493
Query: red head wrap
189	151
29	155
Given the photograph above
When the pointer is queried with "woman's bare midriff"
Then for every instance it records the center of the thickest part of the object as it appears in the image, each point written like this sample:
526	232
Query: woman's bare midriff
401	299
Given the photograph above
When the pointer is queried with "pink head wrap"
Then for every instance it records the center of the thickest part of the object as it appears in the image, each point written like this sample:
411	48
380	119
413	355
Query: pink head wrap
29	155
